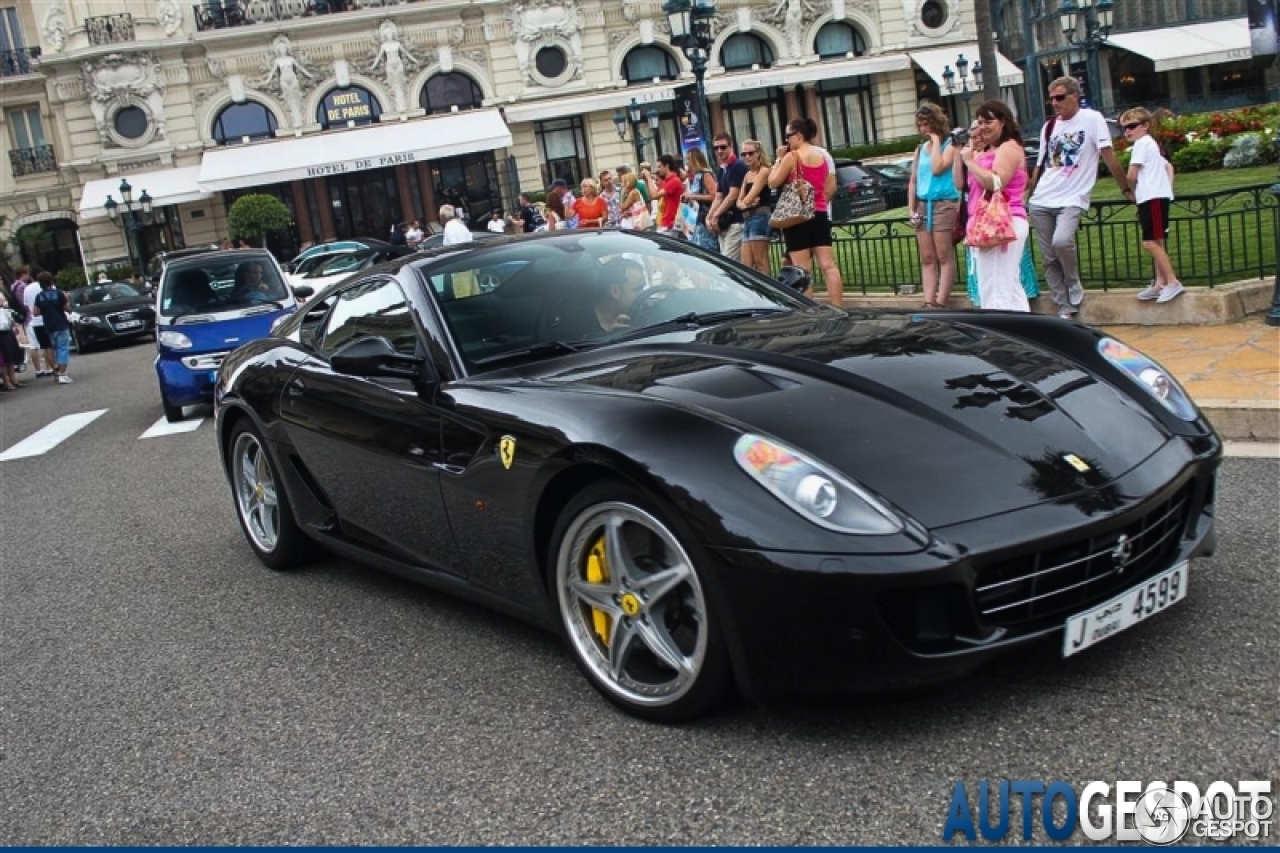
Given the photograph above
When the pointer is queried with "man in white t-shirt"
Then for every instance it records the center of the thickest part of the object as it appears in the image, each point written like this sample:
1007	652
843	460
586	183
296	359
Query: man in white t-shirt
1070	145
455	231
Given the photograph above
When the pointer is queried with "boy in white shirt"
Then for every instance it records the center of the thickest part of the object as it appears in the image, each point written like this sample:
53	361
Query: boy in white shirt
1151	176
1071	144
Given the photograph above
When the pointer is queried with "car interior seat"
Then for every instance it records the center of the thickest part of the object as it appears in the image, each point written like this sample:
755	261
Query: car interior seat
191	289
568	312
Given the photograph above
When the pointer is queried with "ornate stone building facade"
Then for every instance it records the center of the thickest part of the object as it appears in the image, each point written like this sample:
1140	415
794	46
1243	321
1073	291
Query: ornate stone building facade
361	113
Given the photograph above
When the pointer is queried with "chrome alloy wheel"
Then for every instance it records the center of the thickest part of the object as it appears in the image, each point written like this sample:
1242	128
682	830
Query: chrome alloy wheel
631	601
255	490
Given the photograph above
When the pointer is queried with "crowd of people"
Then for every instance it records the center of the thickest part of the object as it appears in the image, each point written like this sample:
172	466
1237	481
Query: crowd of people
35	330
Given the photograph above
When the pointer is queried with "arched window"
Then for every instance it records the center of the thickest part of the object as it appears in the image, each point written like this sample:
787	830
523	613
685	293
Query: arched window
743	50
836	40
443	92
242	123
349	107
642	64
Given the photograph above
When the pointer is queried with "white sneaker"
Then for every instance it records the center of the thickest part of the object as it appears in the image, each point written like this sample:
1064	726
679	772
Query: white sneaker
1067	313
64	379
1171	291
1075	294
1152	292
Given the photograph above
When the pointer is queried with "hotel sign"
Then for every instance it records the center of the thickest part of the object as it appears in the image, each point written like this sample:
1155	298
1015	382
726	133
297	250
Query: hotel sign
343	105
361	163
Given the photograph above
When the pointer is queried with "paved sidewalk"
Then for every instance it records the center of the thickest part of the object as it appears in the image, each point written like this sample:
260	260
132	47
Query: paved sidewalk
1232	371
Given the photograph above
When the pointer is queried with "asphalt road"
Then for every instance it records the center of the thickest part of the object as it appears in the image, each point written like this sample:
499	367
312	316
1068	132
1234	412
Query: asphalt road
158	686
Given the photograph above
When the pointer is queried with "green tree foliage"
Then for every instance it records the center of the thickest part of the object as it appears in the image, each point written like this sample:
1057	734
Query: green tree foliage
256	215
69	278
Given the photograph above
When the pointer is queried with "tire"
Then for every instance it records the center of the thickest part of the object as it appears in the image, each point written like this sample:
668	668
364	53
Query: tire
76	346
172	413
633	608
262	505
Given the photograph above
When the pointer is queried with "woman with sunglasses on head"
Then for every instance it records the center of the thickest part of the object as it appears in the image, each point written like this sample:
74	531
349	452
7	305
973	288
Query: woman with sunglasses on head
756	203
700	189
1000	168
801	158
933	204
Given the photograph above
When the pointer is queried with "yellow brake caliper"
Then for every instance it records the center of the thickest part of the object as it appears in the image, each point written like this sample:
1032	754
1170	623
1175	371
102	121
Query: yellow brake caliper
598	572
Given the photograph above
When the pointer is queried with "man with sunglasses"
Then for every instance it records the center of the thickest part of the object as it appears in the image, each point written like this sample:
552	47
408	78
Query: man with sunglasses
724	219
1061	185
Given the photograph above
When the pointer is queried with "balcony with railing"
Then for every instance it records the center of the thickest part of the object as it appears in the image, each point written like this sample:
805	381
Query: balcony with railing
110	29
218	14
16	63
32	161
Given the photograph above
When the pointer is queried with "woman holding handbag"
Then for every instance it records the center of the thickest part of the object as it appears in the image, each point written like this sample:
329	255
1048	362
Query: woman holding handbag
997	230
933	204
801	159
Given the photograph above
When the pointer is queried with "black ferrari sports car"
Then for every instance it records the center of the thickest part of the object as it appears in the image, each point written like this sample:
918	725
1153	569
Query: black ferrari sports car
704	480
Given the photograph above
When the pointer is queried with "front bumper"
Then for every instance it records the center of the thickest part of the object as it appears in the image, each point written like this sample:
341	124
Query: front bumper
97	334
187	379
835	623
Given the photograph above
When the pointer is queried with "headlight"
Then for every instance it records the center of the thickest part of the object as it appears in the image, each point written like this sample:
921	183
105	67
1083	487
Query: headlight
1149	375
89	320
812	490
174	340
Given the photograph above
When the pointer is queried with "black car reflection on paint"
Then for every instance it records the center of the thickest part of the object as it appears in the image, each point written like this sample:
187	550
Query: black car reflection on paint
732	486
107	312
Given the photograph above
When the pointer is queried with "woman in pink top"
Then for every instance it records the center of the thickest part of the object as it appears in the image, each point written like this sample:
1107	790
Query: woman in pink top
813	238
995	162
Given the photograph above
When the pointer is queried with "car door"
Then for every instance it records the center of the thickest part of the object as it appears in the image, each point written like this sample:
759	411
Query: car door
372	444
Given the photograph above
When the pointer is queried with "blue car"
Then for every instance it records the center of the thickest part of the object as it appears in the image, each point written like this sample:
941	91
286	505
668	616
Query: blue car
206	306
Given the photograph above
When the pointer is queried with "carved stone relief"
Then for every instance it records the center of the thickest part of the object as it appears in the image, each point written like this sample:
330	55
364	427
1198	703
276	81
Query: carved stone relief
117	80
792	16
170	17
288	78
536	24
55	27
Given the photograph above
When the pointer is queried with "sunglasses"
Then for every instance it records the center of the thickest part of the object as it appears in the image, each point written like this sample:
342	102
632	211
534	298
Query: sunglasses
722	147
748	153
1131	125
1056	98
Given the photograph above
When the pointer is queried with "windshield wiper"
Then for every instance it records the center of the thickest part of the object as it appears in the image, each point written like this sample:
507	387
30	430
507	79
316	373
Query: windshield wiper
547	348
693	318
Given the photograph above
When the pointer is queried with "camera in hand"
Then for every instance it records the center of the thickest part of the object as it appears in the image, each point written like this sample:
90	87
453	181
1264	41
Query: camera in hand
960	136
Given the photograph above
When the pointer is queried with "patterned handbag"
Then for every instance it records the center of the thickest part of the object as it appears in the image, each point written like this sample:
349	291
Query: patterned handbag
992	225
794	205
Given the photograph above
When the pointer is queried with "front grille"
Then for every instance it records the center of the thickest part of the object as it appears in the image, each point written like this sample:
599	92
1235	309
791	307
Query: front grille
1057	582
122	317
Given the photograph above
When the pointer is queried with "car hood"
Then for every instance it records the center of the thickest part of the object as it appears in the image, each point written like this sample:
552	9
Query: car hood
223	335
911	406
115	306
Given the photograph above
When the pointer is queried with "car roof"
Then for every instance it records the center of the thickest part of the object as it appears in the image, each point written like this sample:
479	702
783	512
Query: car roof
224	255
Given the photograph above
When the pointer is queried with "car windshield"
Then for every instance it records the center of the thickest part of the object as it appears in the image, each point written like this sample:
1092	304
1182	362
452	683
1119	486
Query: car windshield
307	265
850	175
338	264
96	294
221	281
581	289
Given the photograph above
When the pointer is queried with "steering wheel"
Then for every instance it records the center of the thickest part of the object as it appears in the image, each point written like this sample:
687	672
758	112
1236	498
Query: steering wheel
645	302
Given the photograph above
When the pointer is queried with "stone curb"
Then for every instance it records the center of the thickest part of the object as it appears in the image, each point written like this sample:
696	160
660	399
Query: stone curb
1244	420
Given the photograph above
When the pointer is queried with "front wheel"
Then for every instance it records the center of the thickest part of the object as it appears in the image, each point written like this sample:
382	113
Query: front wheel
172	413
635	613
262	504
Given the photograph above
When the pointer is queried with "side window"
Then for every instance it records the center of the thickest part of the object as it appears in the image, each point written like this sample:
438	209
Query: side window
313	320
371	308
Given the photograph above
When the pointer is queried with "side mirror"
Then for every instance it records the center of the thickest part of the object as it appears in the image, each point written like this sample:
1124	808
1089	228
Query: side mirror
304	291
794	278
375	356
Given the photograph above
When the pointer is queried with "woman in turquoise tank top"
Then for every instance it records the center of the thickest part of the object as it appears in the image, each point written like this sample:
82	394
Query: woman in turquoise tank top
934	203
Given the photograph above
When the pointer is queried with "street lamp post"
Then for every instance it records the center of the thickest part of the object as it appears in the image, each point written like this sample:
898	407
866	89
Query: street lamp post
135	212
1095	16
690	22
965	91
632	117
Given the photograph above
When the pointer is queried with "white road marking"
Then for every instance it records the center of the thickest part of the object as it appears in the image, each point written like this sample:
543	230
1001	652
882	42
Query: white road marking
47	438
163	427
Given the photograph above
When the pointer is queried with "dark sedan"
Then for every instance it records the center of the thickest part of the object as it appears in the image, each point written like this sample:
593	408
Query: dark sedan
704	480
858	192
109	312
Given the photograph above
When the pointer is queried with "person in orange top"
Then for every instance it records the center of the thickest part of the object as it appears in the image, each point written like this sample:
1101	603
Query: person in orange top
591	208
671	189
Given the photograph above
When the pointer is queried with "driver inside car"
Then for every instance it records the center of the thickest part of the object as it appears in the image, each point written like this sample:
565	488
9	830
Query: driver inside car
251	285
624	281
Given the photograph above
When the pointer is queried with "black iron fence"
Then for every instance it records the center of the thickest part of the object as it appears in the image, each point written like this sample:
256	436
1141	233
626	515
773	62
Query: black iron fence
110	29
30	161
218	14
1214	238
15	63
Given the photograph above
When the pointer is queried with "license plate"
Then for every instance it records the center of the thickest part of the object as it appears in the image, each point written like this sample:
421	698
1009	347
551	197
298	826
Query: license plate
129	324
1125	610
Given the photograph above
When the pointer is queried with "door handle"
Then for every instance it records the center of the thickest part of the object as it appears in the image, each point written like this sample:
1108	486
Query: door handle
295	387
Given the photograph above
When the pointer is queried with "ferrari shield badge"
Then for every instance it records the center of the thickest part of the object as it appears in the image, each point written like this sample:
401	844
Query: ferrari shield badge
1076	462
507	450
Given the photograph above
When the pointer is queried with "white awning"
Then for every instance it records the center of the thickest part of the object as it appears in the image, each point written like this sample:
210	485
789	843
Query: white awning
611	99
739	80
167	186
336	152
934	62
1190	46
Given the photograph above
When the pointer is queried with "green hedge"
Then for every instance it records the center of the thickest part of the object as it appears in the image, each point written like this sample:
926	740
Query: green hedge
877	149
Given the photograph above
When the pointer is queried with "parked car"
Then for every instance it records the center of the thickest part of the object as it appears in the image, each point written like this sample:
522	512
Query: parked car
895	180
321	270
434	241
856	502
206	306
858	192
333	247
107	312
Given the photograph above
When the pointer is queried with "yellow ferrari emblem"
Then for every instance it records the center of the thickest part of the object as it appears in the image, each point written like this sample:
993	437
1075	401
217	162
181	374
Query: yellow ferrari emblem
1076	462
630	604
507	450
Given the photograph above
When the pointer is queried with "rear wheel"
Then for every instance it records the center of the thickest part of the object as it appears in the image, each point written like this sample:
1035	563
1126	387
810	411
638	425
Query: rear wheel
172	413
633	607
262	504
